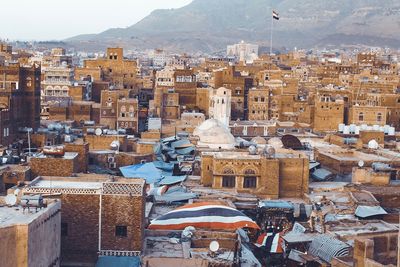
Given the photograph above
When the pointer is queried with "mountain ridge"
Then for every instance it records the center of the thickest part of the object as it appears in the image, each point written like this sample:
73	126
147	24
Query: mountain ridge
210	25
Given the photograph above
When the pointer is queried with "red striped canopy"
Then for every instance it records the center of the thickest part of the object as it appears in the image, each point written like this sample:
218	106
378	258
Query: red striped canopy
274	243
204	215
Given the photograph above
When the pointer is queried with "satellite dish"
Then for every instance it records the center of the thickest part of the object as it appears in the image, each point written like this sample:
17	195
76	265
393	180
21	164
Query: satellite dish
16	192
98	132
11	200
214	246
361	163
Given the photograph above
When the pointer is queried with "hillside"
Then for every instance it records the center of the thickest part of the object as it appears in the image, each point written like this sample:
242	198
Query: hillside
209	25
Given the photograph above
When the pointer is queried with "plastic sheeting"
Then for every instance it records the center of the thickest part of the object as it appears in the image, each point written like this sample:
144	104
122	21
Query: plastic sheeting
368	211
147	171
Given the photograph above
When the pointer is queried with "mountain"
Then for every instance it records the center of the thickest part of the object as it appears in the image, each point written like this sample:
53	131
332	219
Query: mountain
210	25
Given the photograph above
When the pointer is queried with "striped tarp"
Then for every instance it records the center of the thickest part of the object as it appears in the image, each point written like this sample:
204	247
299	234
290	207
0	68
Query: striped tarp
204	216
273	242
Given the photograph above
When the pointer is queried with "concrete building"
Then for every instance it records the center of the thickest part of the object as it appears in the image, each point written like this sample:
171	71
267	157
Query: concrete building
30	238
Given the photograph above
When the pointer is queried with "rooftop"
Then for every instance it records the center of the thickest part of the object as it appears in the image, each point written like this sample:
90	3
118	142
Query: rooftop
16	216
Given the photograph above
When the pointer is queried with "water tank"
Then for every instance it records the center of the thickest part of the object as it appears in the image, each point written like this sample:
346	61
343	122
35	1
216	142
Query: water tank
269	151
346	130
386	129
352	128
90	130
67	129
252	150
35	201
392	131
69	138
122	131
381	167
341	127
112	132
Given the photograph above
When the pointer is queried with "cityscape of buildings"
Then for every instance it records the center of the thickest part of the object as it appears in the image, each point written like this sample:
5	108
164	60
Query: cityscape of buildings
153	158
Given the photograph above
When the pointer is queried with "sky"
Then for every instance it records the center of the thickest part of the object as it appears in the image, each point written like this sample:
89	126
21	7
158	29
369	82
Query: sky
60	19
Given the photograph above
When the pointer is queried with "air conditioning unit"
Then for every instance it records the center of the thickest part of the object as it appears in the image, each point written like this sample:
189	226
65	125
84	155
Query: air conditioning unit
111	160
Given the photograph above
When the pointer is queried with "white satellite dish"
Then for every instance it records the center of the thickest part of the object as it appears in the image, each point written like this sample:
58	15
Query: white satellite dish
214	246
11	200
16	192
98	132
361	163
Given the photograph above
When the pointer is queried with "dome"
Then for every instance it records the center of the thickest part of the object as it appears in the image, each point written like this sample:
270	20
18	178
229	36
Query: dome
275	142
214	134
259	140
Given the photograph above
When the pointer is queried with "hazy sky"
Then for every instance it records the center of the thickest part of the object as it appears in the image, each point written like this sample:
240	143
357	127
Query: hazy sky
59	19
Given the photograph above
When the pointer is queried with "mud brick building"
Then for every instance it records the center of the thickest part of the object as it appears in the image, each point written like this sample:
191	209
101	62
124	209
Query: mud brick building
283	175
103	142
19	100
82	148
30	238
14	174
100	215
119	72
55	166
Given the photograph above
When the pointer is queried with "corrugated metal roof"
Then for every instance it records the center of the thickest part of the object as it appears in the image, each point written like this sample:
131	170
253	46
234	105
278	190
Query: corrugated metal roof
327	247
368	211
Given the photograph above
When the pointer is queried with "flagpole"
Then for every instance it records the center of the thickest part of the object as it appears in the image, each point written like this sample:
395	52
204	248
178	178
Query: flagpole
272	25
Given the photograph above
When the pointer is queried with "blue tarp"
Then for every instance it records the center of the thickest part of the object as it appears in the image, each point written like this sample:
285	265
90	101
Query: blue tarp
164	165
112	261
168	180
147	171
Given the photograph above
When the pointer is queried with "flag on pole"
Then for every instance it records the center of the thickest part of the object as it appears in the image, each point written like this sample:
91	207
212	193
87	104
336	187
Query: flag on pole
275	15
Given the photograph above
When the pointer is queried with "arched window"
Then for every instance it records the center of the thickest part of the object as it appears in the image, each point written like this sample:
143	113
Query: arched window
228	171
361	116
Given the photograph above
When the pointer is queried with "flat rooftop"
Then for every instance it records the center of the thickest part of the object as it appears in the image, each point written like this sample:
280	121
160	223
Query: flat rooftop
352	155
10	216
351	228
281	153
66	184
67	155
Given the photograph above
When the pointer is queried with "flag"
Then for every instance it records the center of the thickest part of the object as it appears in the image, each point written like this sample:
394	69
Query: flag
275	15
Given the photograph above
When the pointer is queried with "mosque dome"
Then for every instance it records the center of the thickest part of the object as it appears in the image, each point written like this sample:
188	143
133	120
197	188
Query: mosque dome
214	134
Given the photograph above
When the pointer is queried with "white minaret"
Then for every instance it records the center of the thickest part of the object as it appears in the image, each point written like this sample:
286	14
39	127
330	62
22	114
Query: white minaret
221	105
